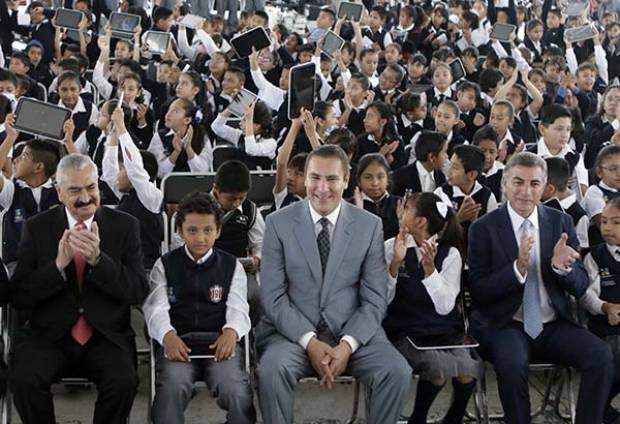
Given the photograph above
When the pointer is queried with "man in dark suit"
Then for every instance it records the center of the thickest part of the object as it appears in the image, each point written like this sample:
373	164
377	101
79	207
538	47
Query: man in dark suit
79	270
523	264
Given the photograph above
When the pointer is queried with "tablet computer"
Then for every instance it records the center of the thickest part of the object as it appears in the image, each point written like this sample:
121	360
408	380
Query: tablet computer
123	25
241	102
502	32
350	11
301	89
157	41
457	69
582	33
68	18
199	344
242	44
192	21
451	341
316	34
331	43
41	119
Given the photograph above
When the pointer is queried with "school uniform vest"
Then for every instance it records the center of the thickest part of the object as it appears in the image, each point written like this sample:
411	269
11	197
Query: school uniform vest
524	128
197	293
576	212
386	210
571	157
254	162
376	37
80	119
23	207
236	224
408	178
289	199
608	194
481	197
151	227
493	182
355	122
609	274
181	164
412	312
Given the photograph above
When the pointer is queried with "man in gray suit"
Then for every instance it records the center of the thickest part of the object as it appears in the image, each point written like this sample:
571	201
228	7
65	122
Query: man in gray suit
323	287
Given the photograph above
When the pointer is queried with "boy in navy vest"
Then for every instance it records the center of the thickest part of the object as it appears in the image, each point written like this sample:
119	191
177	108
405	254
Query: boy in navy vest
487	139
242	224
83	112
199	291
467	196
425	173
602	299
130	174
555	129
30	191
558	196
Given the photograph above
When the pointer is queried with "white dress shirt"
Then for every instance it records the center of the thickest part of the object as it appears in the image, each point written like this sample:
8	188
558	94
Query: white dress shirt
594	199
265	147
548	313
427	180
457	192
581	227
8	191
443	287
156	305
580	171
332	217
149	195
200	163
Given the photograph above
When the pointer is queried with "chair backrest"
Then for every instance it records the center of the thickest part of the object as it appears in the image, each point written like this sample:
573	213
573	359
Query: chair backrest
43	91
223	153
177	184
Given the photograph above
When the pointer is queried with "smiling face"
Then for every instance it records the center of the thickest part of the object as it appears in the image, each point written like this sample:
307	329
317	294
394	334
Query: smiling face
325	183
610	224
69	91
523	187
78	190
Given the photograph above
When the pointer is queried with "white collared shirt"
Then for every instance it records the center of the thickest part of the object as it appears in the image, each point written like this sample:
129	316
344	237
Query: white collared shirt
8	191
581	227
427	179
457	192
447	94
591	300
516	220
156	306
443	287
81	108
73	222
594	200
580	171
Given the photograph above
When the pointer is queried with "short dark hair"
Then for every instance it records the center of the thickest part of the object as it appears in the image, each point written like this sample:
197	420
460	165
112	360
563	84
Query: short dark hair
380	11
263	15
471	157
370	158
6	75
485	133
469	86
489	78
68	76
22	57
361	79
330	12
161	13
198	202
429	142
233	176
46	152
558	173
605	154
150	164
298	162
328	151
238	72
552	112
343	138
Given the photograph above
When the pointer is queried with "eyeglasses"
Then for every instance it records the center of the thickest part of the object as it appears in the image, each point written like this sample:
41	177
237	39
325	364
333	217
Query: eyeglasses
612	169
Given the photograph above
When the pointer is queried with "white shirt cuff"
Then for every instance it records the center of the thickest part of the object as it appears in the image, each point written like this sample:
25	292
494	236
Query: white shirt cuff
520	278
352	342
305	339
562	272
232	327
615	124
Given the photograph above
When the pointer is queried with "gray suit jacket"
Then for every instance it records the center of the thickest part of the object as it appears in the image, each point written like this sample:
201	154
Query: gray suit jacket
352	298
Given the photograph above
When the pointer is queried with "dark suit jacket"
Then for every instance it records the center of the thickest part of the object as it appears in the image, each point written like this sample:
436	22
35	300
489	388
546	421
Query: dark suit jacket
495	290
54	303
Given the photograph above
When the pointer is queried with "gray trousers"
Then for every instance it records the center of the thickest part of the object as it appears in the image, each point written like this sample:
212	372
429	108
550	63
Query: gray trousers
378	365
227	380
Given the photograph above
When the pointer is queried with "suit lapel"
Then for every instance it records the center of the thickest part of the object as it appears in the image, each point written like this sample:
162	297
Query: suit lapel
506	234
339	247
306	237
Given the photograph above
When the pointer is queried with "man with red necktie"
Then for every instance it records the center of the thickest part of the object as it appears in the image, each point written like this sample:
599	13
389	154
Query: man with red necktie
79	271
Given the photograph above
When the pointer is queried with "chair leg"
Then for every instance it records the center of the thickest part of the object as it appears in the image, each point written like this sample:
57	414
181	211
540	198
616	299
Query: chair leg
356	402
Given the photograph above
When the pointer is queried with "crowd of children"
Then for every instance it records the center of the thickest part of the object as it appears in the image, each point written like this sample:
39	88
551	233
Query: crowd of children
427	147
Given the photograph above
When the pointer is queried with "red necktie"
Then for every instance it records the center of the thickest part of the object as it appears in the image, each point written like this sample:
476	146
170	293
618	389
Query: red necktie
81	331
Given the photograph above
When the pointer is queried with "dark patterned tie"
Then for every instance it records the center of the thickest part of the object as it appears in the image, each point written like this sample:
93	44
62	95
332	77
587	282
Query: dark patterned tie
322	241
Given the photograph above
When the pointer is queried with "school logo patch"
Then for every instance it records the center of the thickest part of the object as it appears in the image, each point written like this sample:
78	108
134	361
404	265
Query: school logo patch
215	293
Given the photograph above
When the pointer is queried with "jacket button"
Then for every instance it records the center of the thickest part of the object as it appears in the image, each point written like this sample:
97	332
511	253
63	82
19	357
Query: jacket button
81	310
